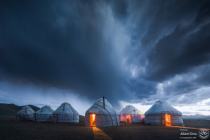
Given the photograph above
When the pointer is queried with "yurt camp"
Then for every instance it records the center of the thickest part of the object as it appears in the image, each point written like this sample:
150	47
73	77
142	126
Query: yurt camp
161	113
66	113
101	114
26	113
44	114
130	115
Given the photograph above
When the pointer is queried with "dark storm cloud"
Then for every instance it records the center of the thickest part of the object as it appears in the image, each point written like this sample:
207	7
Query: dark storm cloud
119	49
57	43
186	47
172	38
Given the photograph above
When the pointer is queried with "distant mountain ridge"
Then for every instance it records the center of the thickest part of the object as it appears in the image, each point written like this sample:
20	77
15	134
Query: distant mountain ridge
202	117
12	109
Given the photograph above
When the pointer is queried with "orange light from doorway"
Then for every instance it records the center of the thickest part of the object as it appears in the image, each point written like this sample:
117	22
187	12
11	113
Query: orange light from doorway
128	119
168	120
92	120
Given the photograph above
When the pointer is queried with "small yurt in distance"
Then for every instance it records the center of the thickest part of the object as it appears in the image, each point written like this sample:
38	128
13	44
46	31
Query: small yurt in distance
130	114
161	113
44	114
26	113
101	114
66	113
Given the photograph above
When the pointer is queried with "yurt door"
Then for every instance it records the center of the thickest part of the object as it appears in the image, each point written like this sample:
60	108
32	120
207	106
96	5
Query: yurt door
168	120
92	119
128	119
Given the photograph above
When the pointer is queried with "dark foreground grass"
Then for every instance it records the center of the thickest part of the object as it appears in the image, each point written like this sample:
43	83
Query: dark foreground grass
197	123
145	132
17	130
142	132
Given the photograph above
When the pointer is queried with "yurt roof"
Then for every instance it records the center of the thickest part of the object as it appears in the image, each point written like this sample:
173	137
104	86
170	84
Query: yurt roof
129	109
45	110
162	107
101	106
26	110
65	108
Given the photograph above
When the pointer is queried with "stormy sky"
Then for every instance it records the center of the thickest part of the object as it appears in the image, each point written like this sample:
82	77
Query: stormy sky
130	51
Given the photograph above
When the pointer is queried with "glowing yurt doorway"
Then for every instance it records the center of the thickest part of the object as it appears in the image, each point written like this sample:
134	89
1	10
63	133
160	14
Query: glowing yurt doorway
92	119
167	119
128	119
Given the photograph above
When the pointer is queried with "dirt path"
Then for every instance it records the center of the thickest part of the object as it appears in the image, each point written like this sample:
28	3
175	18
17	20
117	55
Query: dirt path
99	134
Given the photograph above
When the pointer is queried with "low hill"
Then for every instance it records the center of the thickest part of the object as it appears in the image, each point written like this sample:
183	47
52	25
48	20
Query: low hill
196	117
8	109
12	109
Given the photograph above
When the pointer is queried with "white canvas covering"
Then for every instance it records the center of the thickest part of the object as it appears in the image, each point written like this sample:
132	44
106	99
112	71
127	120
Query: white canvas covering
129	109
134	113
44	114
154	115
26	113
66	113
105	114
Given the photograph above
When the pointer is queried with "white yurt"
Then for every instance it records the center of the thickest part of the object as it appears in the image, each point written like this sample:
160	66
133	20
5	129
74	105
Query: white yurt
44	114
101	114
66	113
26	113
161	113
131	114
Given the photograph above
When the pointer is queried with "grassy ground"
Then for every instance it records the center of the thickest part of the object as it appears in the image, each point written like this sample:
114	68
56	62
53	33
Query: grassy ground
197	123
14	130
145	132
11	129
